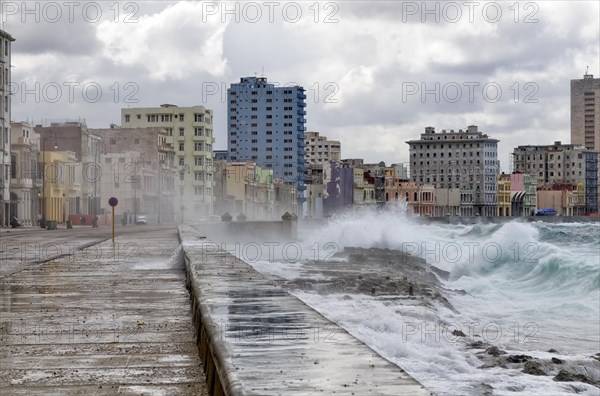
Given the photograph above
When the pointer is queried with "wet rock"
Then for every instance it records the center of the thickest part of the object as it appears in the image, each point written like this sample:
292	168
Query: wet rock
494	351
518	358
484	389
552	350
557	361
458	333
478	345
565	376
533	367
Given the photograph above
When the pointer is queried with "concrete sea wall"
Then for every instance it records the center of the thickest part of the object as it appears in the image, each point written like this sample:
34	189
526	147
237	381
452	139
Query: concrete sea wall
254	338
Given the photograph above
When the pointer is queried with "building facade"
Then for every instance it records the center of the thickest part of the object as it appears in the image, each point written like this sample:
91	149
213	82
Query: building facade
5	116
24	184
504	195
420	199
467	160
266	125
61	185
319	149
585	112
138	167
74	136
561	164
190	131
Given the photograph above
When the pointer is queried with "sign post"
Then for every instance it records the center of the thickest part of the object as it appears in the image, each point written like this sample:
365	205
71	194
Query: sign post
113	202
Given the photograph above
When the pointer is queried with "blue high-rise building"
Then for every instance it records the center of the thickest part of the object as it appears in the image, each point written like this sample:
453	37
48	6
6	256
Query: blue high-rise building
266	125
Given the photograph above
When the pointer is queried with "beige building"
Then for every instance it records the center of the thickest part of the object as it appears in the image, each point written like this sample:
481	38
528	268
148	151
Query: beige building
319	149
585	112
244	187
5	111
190	131
137	166
24	184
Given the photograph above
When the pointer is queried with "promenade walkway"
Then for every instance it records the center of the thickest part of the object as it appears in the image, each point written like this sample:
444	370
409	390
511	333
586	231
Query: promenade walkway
106	320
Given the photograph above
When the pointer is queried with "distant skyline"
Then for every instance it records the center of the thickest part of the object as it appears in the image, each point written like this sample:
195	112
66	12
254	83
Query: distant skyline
364	65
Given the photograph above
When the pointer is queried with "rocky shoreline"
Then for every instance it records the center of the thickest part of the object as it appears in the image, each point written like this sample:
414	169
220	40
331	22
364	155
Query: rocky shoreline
390	274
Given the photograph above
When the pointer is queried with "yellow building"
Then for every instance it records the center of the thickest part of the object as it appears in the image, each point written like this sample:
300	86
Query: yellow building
504	195
61	185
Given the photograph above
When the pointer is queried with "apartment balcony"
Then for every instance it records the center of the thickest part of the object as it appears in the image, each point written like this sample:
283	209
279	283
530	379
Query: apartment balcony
198	168
301	104
181	138
301	96
301	128
300	154
300	144
200	138
301	120
199	183
301	112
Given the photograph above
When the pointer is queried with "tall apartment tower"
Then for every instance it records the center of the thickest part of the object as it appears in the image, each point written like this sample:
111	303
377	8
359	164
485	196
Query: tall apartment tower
266	125
190	131
467	160
585	112
5	50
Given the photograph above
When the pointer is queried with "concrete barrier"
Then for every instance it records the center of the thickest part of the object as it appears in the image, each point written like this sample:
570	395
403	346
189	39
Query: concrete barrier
254	338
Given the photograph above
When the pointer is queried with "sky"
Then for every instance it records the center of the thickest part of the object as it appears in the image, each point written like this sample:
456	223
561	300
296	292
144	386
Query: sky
376	73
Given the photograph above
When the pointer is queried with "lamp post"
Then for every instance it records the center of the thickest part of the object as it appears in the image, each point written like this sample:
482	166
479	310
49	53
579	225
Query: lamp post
43	138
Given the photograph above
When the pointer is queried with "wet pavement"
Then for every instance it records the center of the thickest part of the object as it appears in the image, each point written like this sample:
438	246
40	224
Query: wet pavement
100	318
261	340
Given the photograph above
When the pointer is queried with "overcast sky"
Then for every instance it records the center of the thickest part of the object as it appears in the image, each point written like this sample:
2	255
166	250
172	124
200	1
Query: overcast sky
365	65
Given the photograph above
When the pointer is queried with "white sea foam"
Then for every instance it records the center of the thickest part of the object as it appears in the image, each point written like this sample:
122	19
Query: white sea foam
535	286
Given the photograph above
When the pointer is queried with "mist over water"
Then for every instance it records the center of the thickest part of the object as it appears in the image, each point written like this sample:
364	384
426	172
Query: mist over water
529	287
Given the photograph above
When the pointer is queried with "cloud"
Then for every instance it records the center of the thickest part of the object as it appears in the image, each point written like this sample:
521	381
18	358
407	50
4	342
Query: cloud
173	44
364	61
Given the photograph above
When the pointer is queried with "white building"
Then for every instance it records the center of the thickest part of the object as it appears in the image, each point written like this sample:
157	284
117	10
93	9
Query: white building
5	111
24	184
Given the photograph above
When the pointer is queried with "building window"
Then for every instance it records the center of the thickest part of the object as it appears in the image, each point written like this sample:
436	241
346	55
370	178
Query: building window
126	117
113	141
181	131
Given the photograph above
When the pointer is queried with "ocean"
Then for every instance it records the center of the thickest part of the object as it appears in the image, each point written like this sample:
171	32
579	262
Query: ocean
524	287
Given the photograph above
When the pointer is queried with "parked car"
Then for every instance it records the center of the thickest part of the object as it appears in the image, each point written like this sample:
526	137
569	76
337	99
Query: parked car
15	222
143	220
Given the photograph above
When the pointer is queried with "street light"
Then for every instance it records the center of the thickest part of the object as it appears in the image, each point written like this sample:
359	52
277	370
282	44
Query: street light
43	138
